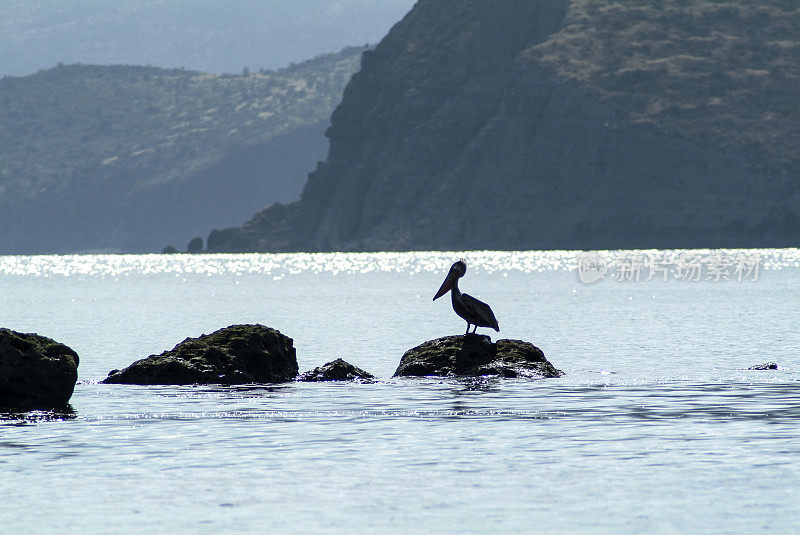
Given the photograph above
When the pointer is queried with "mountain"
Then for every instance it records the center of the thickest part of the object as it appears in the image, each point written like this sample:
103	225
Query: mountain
559	124
124	158
205	35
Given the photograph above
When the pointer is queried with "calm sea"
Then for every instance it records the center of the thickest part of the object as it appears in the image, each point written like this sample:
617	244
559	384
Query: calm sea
656	428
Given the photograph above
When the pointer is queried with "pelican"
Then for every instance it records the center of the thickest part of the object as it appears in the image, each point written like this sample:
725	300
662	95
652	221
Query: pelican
474	312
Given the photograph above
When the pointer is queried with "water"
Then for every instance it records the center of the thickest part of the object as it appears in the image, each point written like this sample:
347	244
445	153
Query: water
655	428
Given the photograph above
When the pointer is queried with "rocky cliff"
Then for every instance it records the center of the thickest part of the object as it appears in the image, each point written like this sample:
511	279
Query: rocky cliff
558	124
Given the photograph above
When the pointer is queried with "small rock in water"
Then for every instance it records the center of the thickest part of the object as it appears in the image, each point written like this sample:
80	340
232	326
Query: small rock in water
195	246
35	371
475	355
337	370
765	366
238	354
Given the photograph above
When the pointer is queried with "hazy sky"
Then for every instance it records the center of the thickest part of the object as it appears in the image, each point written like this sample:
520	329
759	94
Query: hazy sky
208	35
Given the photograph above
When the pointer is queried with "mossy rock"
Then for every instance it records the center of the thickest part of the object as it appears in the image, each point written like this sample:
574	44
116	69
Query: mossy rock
239	354
473	356
35	371
336	370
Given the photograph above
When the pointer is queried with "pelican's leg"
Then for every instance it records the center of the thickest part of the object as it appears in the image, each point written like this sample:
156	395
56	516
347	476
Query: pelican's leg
474	329
466	333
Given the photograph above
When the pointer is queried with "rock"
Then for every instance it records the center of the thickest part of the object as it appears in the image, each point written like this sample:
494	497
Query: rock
765	366
337	370
169	250
475	355
195	245
275	220
35	371
237	354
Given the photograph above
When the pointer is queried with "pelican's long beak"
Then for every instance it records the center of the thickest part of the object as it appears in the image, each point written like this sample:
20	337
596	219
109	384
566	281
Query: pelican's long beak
446	285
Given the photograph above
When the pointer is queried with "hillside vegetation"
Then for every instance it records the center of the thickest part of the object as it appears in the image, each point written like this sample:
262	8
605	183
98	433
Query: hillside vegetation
115	133
75	118
728	71
565	124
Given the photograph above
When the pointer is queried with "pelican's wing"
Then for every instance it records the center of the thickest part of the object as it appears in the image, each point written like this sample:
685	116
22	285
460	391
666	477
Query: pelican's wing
481	310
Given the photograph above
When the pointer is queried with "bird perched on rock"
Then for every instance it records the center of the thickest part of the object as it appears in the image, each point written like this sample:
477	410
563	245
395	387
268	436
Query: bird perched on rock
473	311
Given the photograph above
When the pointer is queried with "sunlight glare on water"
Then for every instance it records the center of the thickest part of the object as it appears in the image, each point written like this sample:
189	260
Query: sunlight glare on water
656	427
348	263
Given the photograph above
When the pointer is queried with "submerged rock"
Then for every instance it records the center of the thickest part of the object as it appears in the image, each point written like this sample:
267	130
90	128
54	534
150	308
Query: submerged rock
35	371
237	354
765	366
337	370
475	355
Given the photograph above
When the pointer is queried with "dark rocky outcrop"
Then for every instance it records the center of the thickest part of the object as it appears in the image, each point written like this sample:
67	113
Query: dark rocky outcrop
460	133
238	354
35	371
475	355
337	370
195	245
765	366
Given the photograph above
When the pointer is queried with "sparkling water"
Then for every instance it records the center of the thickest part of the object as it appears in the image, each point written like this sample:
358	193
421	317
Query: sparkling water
657	426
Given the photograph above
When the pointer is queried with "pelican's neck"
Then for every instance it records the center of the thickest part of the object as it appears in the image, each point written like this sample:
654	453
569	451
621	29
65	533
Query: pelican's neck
455	292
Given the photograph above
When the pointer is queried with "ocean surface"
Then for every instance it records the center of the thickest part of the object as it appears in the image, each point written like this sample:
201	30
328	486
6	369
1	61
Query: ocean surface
657	426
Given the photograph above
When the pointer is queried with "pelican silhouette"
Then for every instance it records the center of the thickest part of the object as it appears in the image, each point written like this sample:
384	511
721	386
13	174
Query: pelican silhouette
474	312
